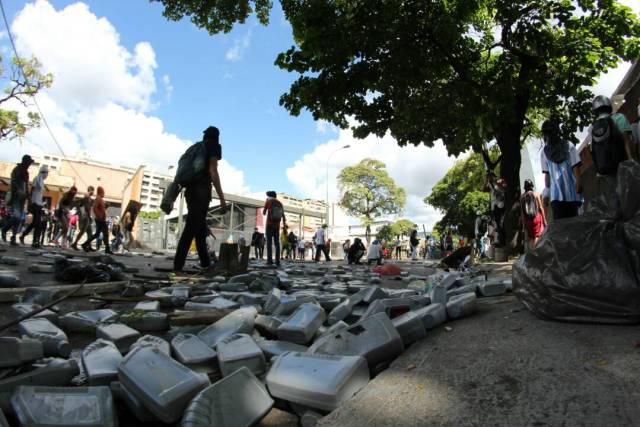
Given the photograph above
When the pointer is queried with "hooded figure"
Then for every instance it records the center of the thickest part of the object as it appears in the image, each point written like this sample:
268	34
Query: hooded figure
555	148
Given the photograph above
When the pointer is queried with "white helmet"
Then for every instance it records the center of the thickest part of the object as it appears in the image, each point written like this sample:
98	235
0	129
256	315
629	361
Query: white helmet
601	104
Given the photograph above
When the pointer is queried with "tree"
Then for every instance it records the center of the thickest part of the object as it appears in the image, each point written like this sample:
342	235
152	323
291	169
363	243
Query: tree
22	87
460	195
461	71
385	233
368	192
402	227
150	215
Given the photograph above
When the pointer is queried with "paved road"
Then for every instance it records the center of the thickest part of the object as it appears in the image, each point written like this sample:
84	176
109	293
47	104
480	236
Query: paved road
504	366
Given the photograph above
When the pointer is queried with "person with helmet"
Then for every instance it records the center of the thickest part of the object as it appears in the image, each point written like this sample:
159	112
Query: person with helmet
560	164
532	211
611	137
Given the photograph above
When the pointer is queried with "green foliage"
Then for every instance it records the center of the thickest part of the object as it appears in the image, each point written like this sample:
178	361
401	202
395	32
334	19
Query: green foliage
150	215
402	227
368	192
216	16
459	195
385	233
21	88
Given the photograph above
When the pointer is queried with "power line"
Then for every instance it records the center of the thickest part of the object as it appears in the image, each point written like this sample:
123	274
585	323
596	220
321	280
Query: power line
35	102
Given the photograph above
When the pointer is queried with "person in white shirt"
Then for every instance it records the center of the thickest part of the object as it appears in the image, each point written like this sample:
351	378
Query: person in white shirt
301	249
320	240
374	253
35	207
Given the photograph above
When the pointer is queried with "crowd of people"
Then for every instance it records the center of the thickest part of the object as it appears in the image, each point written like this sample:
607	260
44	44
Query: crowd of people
24	211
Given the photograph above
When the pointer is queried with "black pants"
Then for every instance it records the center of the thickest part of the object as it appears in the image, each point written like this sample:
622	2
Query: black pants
85	227
101	227
354	256
564	209
36	223
198	198
378	261
322	249
273	236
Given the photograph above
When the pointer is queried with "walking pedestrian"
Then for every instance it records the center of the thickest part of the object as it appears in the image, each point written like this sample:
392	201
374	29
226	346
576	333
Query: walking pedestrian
320	240
560	163
398	247
19	188
35	207
293	244
62	216
414	242
100	217
345	249
532	211
85	217
198	196
274	211
284	243
255	242
301	249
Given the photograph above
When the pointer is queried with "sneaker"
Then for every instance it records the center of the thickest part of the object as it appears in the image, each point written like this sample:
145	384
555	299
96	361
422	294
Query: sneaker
86	248
22	239
74	246
35	245
13	241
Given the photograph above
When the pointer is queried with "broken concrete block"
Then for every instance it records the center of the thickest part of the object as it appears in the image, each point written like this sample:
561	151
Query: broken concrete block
244	279
146	321
132	290
465	289
162	384
147	306
9	279
9	260
438	294
64	406
234	287
373	293
16	351
288	305
33	252
214	407
204	298
41	268
22	309
420	300
54	340
310	419
191	350
492	288
451	281
273	301
276	348
121	335
461	305
302	325
332	329
249	298
221	303
238	350
101	359
317	381
374	338
85	321
153	341
417	285
202	306
240	321
432	315
410	327
57	372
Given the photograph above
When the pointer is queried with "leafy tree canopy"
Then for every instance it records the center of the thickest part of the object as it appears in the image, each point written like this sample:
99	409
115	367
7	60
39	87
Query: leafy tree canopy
385	233
368	192
21	88
402	227
460	195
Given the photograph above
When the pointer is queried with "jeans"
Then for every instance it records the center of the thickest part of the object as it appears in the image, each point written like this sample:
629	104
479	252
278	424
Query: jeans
273	236
85	227
36	223
322	249
198	198
101	228
13	222
377	260
117	241
414	252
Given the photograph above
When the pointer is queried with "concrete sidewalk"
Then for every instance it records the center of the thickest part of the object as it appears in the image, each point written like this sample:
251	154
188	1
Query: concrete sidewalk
504	366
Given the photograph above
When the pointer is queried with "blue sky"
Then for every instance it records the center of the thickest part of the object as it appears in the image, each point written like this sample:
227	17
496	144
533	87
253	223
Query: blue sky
240	95
132	88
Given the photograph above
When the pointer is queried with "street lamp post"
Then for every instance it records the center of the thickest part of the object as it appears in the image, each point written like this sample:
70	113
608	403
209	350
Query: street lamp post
327	200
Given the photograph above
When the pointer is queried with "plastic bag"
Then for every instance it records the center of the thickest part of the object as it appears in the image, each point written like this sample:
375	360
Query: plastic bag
388	270
585	269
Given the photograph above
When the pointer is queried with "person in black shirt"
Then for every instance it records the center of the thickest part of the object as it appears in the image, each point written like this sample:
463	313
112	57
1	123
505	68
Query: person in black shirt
85	217
198	196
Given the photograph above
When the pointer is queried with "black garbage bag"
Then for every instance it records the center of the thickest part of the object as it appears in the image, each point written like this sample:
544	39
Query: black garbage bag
586	269
90	272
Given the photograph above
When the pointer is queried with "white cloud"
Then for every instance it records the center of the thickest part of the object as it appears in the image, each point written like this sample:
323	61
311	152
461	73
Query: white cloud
416	169
323	126
101	95
240	45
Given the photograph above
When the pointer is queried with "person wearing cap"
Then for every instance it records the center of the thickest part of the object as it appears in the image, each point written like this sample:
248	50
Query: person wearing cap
35	207
274	211
19	194
198	195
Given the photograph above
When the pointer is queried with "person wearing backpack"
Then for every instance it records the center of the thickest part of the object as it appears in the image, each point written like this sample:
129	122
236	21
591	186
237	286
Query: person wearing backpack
532	211
611	138
414	242
256	242
560	164
274	211
198	176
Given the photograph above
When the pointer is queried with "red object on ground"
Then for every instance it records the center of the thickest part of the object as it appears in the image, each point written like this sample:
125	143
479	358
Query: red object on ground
388	270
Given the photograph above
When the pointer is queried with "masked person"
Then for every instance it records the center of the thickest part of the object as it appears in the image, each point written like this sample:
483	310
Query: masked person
85	217
560	164
35	207
198	196
19	194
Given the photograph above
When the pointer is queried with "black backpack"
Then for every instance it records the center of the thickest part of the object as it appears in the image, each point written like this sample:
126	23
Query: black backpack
531	207
276	212
192	164
607	146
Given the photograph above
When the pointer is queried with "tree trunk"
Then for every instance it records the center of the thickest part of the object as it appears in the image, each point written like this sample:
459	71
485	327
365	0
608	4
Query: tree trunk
367	234
510	171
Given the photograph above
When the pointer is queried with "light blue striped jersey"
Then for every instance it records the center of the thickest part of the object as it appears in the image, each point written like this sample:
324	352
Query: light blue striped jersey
562	182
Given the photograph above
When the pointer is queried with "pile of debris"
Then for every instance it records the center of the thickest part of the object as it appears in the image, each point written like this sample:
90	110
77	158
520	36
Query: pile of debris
303	339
